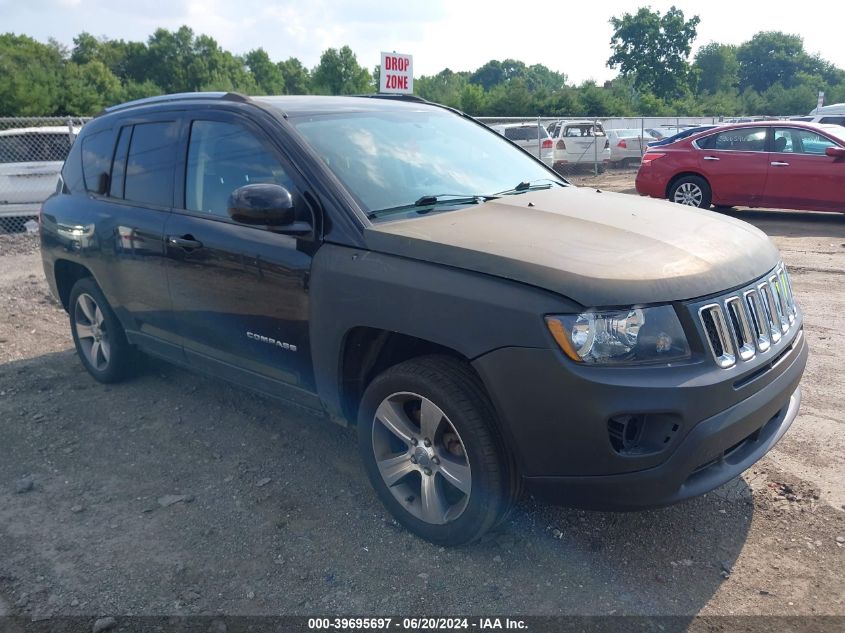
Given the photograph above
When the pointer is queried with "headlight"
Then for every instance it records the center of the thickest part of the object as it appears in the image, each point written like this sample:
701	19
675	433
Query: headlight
635	335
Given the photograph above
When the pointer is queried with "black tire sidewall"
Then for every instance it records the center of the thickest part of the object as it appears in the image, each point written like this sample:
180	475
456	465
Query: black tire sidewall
120	351
488	490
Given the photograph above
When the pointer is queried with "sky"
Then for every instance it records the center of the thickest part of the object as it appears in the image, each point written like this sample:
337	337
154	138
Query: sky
456	34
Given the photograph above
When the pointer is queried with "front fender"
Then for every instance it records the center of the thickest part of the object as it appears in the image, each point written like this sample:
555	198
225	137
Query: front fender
471	313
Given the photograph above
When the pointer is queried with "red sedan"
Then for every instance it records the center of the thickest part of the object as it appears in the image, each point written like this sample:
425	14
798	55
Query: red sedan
776	164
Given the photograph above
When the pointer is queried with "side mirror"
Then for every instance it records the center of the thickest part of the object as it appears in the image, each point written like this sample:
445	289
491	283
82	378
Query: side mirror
266	205
835	152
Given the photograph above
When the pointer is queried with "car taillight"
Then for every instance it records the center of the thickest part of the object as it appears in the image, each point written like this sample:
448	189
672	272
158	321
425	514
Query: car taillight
650	156
560	144
622	144
547	144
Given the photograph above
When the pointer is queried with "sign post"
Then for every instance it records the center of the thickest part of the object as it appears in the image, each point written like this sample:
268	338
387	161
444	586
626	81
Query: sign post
820	102
397	74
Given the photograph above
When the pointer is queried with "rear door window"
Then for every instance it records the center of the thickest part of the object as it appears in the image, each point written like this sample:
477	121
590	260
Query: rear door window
751	139
150	163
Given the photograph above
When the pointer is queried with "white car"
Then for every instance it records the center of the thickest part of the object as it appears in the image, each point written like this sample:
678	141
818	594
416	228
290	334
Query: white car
627	146
30	162
830	114
532	137
580	142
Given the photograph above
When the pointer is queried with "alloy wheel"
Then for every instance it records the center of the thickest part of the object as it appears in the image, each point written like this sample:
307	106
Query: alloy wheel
421	458
91	331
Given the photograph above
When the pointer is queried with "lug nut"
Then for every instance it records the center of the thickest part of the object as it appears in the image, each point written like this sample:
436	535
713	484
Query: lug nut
427	471
414	441
435	460
427	442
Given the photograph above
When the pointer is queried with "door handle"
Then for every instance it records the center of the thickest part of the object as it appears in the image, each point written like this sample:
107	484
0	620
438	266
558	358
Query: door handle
777	163
187	242
710	158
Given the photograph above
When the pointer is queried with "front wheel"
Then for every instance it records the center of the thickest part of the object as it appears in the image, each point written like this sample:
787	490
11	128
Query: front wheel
691	191
426	436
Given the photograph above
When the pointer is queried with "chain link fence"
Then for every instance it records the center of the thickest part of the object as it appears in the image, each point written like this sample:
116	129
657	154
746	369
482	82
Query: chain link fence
584	145
32	150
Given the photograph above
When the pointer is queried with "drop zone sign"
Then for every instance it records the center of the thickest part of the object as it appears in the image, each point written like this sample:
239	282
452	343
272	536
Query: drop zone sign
397	73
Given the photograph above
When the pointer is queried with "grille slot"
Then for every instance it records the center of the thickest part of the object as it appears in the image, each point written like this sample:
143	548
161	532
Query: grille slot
721	343
737	327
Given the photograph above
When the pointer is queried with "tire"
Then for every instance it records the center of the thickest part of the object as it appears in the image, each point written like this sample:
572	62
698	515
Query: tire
97	334
692	191
449	488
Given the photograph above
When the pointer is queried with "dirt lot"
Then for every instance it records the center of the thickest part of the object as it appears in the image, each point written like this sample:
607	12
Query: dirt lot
177	494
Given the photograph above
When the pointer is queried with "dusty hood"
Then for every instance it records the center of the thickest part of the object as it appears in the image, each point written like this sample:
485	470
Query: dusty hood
597	248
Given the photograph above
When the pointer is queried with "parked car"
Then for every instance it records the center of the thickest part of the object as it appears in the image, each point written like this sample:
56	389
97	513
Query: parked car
833	114
532	137
627	146
401	267
30	161
666	140
780	164
579	143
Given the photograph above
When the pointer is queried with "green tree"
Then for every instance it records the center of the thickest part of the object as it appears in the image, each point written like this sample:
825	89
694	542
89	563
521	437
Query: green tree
473	99
717	68
653	49
88	88
771	57
445	87
296	76
339	73
268	76
170	56
30	76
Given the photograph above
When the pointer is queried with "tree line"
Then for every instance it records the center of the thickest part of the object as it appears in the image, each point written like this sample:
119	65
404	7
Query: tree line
771	74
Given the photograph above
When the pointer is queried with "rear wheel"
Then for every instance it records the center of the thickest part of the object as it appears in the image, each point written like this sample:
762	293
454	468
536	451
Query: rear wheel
426	438
97	334
692	191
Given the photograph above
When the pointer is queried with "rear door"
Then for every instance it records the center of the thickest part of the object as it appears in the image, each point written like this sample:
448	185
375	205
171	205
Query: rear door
801	176
735	162
129	173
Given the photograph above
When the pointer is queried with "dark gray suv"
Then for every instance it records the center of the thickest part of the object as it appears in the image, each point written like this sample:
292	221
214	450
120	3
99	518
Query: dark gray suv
401	267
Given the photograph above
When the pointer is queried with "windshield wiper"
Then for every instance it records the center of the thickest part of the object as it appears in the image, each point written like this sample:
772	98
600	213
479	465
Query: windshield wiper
527	185
427	203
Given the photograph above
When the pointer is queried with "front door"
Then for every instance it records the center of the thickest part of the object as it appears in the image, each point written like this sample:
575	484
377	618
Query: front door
801	176
239	293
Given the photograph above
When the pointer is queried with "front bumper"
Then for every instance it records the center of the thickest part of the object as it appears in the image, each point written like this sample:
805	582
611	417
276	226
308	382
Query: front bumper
554	417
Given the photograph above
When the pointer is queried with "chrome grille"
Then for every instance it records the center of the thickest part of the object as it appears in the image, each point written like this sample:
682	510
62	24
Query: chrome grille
739	326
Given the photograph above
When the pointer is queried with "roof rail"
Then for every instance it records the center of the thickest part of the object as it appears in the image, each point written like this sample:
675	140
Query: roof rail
179	96
396	97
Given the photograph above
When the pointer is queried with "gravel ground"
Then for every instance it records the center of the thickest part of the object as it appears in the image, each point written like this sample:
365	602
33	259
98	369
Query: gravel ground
177	494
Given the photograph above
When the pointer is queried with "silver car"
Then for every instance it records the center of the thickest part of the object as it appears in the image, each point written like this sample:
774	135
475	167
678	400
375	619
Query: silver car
627	146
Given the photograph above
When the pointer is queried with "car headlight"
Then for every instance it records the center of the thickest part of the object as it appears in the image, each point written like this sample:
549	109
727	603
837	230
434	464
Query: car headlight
633	335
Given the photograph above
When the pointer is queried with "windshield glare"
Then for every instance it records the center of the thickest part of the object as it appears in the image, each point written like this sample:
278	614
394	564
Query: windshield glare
390	159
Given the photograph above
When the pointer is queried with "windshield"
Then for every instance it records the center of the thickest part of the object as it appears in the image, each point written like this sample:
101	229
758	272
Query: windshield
391	159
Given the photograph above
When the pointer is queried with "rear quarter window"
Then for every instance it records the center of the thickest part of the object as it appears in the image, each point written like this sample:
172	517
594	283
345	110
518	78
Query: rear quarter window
97	151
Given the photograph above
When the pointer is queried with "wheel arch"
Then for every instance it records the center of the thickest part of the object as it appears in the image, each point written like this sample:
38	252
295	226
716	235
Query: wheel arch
683	174
67	273
365	352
